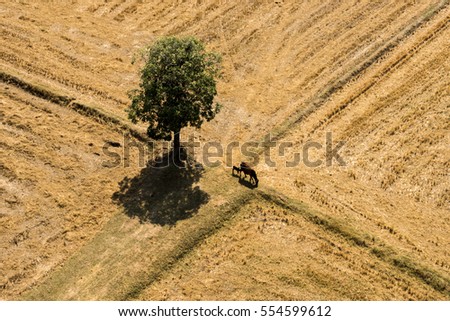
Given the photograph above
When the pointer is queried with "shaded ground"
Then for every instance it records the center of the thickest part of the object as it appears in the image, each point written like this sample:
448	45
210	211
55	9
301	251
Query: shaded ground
163	192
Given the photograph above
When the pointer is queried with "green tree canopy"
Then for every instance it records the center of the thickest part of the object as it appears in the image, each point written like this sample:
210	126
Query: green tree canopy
177	88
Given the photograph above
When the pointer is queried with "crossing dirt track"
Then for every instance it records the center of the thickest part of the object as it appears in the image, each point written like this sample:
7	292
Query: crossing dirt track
372	74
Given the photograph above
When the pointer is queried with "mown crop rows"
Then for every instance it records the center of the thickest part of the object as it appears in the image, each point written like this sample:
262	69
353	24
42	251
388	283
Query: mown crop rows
375	74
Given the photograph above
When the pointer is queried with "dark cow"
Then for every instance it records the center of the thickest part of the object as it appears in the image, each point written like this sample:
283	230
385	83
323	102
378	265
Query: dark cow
247	170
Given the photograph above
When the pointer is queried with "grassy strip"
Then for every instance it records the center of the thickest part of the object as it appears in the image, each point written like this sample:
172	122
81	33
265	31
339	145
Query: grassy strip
190	239
328	223
102	118
173	245
36	90
70	102
380	250
406	264
58	279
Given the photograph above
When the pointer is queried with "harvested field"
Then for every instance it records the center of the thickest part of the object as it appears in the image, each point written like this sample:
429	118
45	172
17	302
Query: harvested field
74	225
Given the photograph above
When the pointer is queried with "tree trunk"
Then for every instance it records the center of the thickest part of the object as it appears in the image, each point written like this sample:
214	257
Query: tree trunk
176	147
176	141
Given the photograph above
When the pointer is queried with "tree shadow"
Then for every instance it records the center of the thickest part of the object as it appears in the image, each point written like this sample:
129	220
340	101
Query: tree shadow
164	192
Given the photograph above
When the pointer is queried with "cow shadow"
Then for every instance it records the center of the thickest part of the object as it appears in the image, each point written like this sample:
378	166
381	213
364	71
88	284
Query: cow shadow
243	181
246	183
164	192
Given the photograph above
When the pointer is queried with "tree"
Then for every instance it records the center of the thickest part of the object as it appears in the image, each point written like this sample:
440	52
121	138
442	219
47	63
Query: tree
177	88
